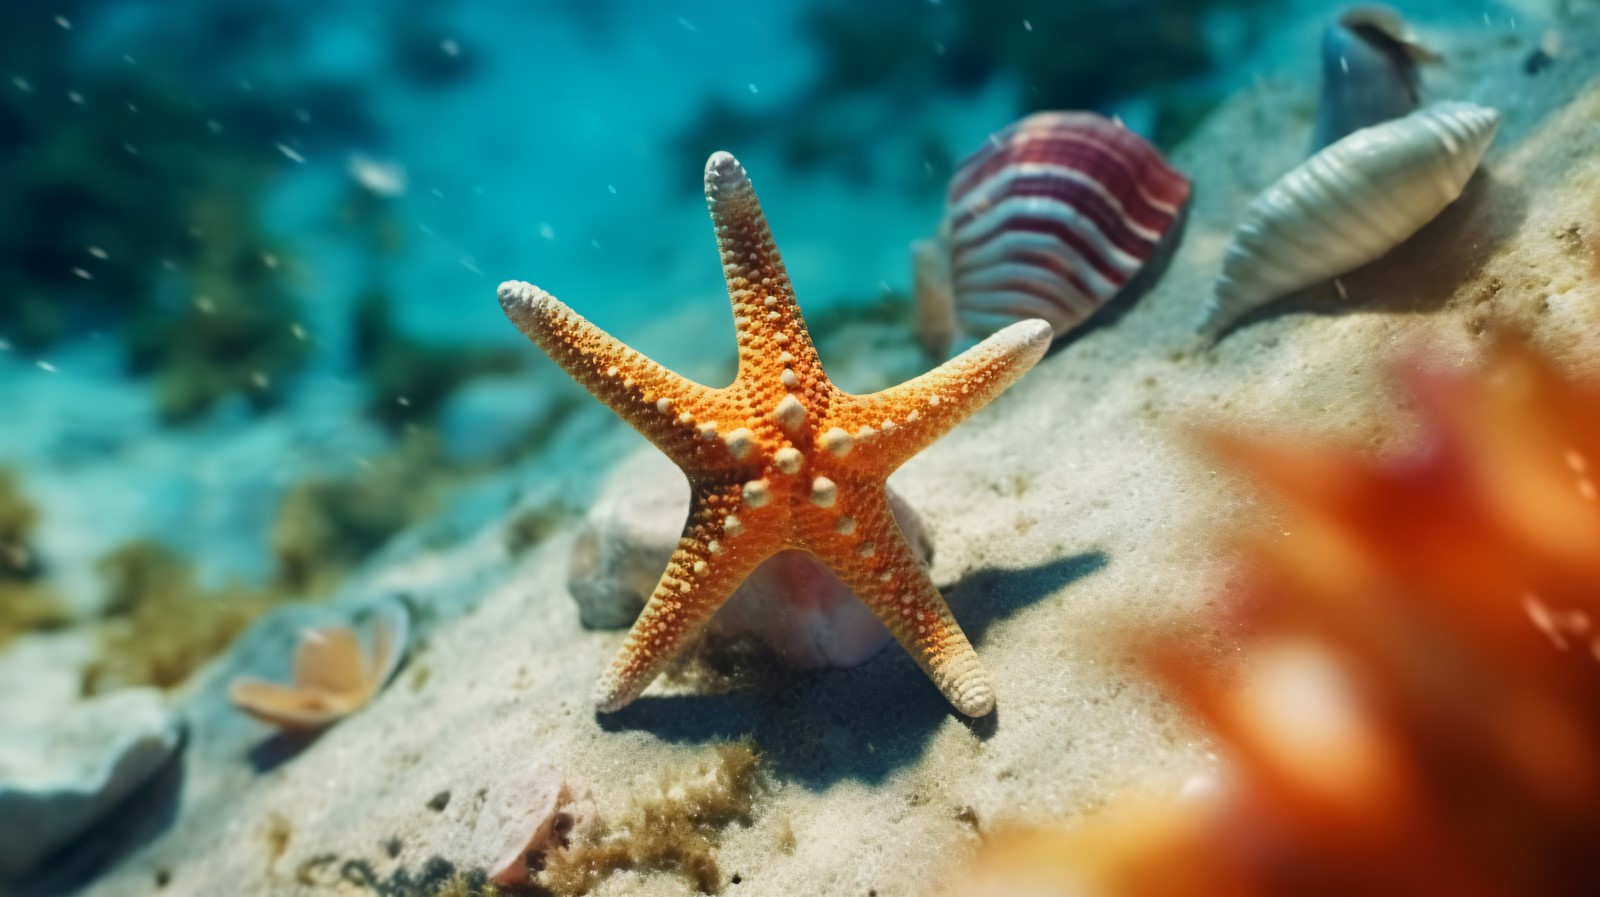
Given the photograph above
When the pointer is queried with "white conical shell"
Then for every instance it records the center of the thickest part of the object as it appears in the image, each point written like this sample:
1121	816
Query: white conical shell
1349	205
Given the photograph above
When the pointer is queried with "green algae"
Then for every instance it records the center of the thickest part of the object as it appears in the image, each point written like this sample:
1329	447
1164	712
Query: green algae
1058	55
189	291
236	333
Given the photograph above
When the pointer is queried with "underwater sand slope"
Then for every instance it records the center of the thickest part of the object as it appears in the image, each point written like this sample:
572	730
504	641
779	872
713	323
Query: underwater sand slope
1066	512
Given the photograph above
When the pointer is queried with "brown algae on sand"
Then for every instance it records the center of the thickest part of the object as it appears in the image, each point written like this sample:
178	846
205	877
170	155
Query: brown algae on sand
327	526
161	625
674	827
26	605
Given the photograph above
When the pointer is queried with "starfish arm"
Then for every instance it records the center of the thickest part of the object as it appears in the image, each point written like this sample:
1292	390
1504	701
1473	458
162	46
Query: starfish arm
887	428
867	551
714	555
671	411
771	334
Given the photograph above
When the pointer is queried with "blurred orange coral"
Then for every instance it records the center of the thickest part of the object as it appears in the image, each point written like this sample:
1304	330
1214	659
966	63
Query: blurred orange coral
1420	708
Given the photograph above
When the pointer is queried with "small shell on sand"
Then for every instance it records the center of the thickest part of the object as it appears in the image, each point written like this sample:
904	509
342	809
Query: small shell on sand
533	808
332	675
1349	205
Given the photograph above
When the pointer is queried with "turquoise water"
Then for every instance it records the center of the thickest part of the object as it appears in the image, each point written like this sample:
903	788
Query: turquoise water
561	142
205	195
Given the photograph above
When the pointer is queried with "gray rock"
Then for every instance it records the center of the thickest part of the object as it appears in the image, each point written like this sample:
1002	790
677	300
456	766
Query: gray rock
792	602
61	774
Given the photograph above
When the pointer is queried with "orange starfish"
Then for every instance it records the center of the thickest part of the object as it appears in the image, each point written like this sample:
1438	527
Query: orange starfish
781	458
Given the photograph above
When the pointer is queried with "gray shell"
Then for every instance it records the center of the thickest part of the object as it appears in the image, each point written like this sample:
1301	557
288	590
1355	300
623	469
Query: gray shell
1369	73
1349	205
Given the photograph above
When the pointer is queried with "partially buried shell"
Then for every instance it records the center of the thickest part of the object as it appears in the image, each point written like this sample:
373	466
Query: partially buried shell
333	677
1369	72
1349	205
1054	217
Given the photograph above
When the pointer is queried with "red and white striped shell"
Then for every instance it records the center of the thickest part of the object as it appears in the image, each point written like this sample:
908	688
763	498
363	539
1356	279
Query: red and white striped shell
1051	219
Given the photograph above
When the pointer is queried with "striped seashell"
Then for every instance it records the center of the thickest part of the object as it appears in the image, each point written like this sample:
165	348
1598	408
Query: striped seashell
1369	72
1349	205
1051	219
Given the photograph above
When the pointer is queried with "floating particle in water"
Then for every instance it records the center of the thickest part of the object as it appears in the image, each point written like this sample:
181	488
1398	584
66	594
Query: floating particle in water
213	126
612	188
289	152
82	274
270	260
1027	25
450	47
303	116
45	366
99	253
64	22
75	98
381	177
546	231
4	346
471	265
298	332
22	84
688	25
753	88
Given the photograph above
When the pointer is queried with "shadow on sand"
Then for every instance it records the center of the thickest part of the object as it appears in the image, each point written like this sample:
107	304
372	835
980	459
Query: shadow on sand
860	724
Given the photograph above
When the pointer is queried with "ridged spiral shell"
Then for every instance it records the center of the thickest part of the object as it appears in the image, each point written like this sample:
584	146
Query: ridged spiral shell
1349	205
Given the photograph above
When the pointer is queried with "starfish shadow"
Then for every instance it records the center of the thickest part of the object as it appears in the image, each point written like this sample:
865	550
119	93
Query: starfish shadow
862	724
